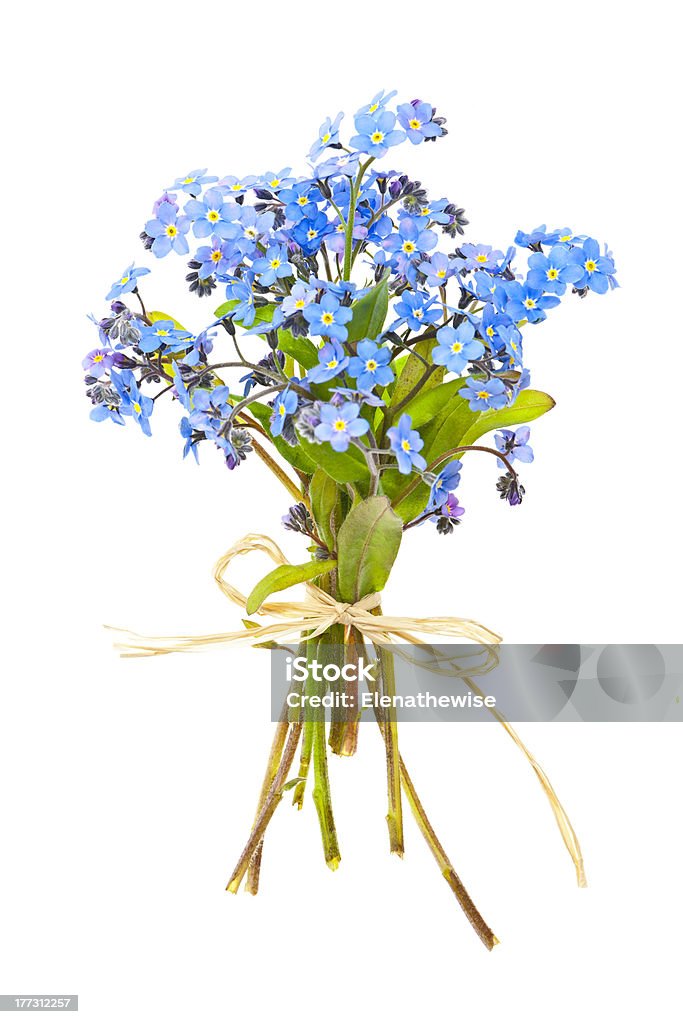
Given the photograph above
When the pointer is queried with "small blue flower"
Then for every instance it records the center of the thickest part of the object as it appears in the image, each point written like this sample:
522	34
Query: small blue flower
163	334
554	271
416	118
370	366
133	403
597	272
332	361
297	300
541	236
514	444
99	361
378	102
328	135
285	404
128	281
438	269
340	424
237	186
376	133
416	309
478	257
193	182
527	303
327	318
213	216
273	265
217	258
445	481
276	180
242	292
412	238
252	227
300	201
406	444
168	230
485	394
311	231
191	443
456	347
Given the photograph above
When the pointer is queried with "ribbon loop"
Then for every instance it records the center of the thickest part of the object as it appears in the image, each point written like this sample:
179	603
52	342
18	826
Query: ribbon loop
316	614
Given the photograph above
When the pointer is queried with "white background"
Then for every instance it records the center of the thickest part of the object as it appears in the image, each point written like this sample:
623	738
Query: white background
128	787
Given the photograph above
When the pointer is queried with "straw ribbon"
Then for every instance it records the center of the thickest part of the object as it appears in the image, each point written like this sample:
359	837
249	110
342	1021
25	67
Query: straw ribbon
314	615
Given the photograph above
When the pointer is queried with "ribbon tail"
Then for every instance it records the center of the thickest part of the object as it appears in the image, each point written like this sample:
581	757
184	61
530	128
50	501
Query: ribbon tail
569	836
137	645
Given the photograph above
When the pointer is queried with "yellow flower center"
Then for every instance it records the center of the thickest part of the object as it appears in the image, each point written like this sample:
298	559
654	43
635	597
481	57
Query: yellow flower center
371	365
274	183
414	123
456	347
98	358
188	181
489	332
137	407
483	394
590	266
302	200
281	409
299	304
529	303
481	257
171	230
409	247
327	318
553	274
124	280
251	232
441	273
373	107
275	263
377	137
405	445
237	187
213	216
311	234
340	425
326	137
162	333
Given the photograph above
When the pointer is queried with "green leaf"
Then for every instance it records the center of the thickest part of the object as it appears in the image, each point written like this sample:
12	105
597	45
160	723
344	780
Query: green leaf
285	576
458	425
156	315
369	313
301	349
430	403
324	496
367	545
294	455
529	405
463	426
344	467
264	314
413	372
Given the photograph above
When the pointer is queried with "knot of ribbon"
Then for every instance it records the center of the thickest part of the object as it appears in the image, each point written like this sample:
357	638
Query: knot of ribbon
314	615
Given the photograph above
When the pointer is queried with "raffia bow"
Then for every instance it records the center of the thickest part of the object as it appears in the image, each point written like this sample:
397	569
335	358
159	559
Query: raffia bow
317	613
314	616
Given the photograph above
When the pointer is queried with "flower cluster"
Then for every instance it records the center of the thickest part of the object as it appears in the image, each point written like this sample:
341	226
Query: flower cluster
362	321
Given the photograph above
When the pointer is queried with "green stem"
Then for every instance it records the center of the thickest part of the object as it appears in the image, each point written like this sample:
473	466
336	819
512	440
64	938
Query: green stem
395	811
442	458
322	796
348	239
268	809
274	759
